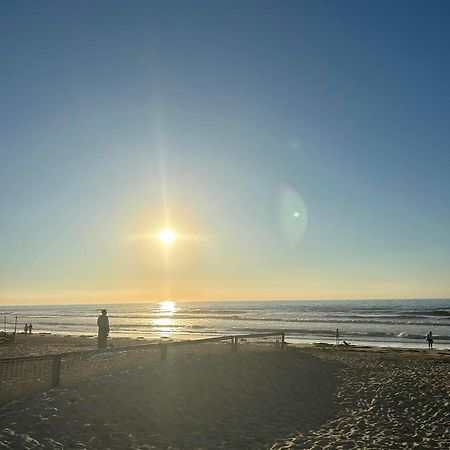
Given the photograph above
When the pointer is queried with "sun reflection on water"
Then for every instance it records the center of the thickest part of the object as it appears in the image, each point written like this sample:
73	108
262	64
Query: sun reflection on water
167	307
165	324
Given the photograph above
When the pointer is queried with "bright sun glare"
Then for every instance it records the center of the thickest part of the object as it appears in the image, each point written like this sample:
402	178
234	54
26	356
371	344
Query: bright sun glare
167	307
167	237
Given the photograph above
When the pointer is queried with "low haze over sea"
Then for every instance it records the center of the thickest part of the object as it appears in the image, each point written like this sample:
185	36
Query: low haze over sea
399	323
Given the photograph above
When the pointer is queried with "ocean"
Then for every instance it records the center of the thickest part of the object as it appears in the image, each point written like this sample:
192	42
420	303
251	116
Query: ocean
394	323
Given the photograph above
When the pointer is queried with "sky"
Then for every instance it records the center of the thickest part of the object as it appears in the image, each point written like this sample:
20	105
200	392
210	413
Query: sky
298	149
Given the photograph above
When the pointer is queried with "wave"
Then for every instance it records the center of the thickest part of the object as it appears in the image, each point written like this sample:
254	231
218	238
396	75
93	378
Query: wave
184	319
433	312
220	324
323	333
414	317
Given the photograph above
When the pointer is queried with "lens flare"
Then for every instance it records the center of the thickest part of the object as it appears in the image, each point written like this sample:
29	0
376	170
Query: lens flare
293	216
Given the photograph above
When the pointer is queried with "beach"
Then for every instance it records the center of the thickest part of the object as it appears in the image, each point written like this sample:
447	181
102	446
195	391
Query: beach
307	397
386	399
38	344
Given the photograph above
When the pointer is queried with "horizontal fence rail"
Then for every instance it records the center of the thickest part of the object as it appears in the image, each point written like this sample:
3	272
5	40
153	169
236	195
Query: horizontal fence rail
24	376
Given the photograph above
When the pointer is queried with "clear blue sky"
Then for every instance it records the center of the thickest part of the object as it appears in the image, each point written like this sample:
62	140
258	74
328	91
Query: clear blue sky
117	117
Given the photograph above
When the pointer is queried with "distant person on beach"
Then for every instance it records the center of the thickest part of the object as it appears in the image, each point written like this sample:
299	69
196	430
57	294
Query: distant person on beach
30	328
430	339
25	328
337	336
103	329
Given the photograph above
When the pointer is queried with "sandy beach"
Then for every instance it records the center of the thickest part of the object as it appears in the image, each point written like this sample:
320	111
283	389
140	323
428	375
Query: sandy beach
386	399
313	397
48	344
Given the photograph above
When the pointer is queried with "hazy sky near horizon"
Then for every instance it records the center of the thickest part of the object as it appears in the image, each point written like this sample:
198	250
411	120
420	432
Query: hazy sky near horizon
300	150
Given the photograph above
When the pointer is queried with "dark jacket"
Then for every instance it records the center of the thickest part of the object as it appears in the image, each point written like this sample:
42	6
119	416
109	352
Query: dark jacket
103	323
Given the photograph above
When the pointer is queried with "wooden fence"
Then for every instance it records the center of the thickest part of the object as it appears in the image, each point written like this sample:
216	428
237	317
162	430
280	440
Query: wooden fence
24	376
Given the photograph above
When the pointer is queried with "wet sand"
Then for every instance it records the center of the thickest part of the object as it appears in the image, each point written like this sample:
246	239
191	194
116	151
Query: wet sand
315	397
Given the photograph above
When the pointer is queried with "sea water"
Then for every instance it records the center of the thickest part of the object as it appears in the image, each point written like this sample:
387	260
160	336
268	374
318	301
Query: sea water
398	323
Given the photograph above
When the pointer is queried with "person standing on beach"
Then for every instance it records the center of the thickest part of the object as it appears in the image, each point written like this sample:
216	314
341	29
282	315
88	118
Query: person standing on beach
103	329
30	328
430	339
337	336
25	328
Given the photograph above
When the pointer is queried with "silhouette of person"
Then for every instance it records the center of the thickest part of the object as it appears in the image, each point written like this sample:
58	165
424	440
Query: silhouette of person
430	339
25	328
30	328
103	329
337	336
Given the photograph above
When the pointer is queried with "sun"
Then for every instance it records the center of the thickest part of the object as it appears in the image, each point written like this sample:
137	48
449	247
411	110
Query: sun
167	237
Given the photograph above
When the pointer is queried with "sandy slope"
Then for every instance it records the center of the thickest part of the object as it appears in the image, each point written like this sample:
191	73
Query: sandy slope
224	401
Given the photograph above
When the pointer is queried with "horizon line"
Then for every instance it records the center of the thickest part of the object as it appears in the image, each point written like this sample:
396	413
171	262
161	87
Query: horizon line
233	300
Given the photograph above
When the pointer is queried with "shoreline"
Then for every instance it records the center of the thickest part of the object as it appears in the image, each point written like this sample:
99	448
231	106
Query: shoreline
52	343
396	323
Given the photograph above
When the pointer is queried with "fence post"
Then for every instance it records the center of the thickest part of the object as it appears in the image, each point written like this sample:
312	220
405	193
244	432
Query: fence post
163	352
15	329
56	375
